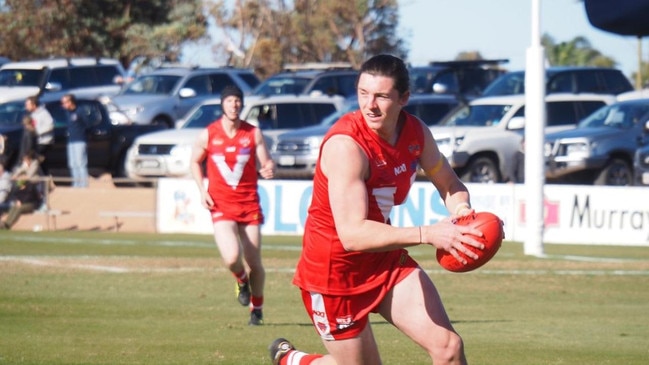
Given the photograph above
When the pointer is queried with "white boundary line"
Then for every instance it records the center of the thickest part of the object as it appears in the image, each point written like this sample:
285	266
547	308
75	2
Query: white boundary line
50	261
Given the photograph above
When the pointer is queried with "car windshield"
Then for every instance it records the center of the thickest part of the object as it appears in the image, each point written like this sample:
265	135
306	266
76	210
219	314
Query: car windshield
11	113
333	117
152	84
282	85
622	116
16	77
507	84
203	116
477	115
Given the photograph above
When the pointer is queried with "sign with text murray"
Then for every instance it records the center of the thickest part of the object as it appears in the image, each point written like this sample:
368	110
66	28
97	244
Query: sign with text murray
573	214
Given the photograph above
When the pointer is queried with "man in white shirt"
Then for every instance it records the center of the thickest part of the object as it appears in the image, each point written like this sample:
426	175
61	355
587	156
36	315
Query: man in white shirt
44	124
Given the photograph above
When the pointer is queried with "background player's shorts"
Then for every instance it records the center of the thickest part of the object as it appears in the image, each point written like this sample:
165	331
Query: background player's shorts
250	214
337	317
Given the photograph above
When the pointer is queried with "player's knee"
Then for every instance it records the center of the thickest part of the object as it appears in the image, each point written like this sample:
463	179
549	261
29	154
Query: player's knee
451	351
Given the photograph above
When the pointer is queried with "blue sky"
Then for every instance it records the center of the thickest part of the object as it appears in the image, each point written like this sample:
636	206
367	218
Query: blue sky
437	30
440	29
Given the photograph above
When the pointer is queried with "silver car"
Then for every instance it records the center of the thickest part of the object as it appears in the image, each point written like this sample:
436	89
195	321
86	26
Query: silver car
167	94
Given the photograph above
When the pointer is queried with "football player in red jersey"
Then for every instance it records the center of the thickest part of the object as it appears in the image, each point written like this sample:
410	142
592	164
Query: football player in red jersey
353	261
231	148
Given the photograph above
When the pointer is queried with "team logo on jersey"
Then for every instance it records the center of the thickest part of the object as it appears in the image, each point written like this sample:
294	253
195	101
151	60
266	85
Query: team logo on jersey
245	141
414	149
379	161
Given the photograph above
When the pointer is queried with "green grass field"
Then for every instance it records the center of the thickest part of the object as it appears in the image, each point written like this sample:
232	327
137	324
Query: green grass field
112	298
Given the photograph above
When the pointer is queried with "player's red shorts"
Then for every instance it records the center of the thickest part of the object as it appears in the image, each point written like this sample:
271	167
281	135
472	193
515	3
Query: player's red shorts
251	214
342	317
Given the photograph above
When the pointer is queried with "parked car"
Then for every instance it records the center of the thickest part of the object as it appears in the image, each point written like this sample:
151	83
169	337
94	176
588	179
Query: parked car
84	77
641	165
167	153
466	78
165	95
106	143
601	149
311	78
565	79
295	152
480	139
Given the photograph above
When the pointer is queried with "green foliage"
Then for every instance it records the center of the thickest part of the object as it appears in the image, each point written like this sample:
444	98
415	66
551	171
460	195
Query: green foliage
271	33
576	52
113	298
108	28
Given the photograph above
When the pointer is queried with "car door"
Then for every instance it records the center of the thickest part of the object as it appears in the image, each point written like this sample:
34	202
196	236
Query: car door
202	87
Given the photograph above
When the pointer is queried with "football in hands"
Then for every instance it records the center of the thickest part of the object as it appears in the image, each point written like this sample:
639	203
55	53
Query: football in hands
492	229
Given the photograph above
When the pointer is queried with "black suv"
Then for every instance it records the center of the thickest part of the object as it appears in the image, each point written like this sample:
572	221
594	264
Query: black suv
466	78
565	79
311	78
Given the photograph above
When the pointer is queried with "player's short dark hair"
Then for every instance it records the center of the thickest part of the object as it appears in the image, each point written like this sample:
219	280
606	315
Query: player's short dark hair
389	66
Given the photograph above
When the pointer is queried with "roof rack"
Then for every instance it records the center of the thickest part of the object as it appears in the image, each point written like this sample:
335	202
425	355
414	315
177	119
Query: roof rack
469	63
317	66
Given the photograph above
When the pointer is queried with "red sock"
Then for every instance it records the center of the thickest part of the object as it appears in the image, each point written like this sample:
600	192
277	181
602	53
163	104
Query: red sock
257	302
298	358
241	277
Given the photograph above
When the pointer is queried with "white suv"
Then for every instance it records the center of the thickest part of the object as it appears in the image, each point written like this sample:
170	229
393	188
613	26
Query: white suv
167	153
85	77
480	139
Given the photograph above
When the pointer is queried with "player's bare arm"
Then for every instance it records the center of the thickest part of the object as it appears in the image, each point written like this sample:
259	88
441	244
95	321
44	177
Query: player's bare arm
267	166
198	156
349	204
441	174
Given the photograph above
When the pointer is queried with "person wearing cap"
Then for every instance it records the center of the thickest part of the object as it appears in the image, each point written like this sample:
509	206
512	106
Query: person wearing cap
231	150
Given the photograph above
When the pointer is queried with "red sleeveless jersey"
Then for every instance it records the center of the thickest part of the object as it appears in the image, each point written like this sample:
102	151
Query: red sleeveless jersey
324	266
231	165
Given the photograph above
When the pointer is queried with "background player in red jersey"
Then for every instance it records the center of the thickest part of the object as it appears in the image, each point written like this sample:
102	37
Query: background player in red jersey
231	148
353	261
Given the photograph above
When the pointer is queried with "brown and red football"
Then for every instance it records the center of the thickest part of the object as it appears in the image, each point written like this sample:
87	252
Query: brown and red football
492	229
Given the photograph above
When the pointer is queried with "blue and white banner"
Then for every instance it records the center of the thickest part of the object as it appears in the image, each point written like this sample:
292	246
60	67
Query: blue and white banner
573	214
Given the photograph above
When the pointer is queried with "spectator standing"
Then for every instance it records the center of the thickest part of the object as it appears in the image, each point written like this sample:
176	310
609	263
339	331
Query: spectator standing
231	148
24	198
353	261
44	124
28	141
77	153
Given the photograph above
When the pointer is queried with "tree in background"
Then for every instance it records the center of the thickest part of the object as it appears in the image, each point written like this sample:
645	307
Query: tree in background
576	52
266	34
122	29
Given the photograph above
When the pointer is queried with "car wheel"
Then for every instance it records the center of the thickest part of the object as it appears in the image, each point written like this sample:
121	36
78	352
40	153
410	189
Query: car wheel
160	120
481	170
617	172
119	175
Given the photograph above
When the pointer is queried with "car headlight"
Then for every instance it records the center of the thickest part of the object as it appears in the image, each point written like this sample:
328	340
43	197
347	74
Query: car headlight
577	150
118	118
181	150
314	142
